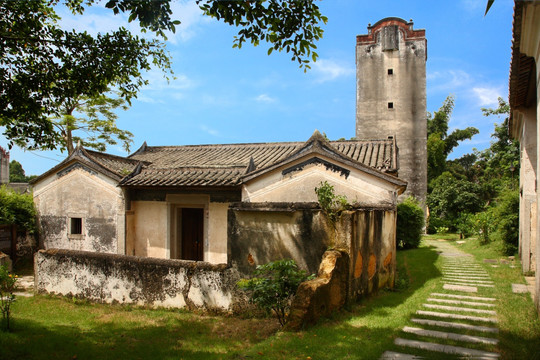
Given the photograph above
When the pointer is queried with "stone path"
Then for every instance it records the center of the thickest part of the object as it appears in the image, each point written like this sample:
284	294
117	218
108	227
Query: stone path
460	320
25	286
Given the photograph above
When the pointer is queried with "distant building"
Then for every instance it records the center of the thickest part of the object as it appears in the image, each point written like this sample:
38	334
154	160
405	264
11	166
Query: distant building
391	95
4	166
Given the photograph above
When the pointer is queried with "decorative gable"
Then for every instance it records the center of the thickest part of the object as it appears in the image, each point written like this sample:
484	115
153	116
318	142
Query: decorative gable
294	178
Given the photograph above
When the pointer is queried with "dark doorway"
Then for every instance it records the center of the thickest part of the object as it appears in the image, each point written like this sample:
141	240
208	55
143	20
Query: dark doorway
192	234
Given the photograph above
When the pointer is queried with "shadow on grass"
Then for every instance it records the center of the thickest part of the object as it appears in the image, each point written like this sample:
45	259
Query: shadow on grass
362	332
367	328
117	333
31	340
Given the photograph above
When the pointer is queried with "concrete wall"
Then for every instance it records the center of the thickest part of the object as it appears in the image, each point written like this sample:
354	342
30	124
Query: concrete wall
528	196
405	88
80	193
111	278
258	236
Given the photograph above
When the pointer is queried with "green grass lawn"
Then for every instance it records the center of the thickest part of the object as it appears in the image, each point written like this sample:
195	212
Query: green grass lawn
48	327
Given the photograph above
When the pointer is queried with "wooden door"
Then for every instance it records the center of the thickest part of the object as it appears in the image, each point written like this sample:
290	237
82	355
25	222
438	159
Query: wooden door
192	234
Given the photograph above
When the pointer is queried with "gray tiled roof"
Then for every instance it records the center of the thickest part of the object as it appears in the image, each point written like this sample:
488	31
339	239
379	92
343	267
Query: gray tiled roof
225	165
120	166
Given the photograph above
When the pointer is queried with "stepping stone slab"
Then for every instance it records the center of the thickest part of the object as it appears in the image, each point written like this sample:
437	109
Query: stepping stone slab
450	336
460	302
455	325
462	279
447	349
455	316
457	308
519	288
469	289
391	355
490	261
456	282
463	297
472	275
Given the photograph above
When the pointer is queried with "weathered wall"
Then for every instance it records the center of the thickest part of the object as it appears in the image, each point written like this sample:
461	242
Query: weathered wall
260	233
392	44
82	193
373	251
528	175
112	278
298	186
323	295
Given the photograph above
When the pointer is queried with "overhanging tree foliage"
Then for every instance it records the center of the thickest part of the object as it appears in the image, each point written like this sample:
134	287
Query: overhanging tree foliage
440	144
43	66
96	119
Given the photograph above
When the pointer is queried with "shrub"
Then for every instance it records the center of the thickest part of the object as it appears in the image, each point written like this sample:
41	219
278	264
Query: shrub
274	286
17	209
483	224
7	285
464	225
410	222
506	216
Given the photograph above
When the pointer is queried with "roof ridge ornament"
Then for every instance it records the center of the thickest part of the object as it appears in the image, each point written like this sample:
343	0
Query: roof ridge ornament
140	150
251	166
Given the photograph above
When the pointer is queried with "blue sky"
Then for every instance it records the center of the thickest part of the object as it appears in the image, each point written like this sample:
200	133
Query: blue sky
226	95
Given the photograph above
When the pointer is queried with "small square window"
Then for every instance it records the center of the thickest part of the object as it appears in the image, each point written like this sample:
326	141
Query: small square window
390	105
390	71
75	226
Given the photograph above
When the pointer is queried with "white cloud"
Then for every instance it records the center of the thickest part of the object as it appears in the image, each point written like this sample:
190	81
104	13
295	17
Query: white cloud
448	81
209	130
265	98
98	19
487	96
328	70
474	6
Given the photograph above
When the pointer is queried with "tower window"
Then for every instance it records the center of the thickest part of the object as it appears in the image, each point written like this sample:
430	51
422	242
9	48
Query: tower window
390	71
390	105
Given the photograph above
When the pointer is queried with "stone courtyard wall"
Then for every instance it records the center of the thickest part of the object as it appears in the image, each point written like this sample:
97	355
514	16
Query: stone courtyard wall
260	233
112	278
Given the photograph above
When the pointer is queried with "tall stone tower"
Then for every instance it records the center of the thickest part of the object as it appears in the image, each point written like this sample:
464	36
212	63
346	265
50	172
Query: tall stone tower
391	94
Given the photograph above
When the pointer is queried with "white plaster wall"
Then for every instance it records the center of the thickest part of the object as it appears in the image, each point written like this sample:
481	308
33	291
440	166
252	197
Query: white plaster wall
217	233
93	197
300	186
150	229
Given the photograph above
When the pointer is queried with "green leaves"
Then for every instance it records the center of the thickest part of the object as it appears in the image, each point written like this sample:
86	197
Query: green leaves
44	67
292	26
274	285
17	209
410	222
94	119
331	204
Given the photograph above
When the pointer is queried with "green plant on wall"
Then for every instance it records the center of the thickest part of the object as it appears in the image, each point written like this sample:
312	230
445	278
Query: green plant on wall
331	204
274	285
7	285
